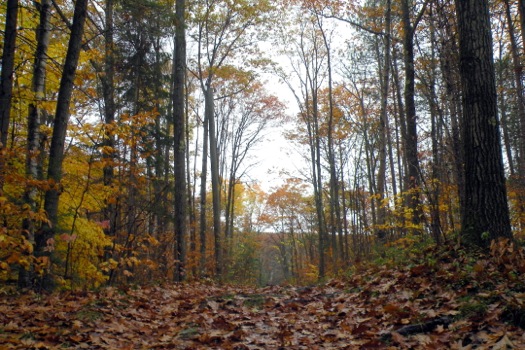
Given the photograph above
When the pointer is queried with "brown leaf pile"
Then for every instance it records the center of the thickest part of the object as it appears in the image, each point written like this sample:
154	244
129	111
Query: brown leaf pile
483	301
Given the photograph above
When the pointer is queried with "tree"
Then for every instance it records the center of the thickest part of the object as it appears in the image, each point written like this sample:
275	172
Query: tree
449	67
223	30
136	93
520	101
179	121
309	69
383	124
35	120
6	80
43	240
108	95
519	85
413	178
251	112
335	207
485	212
286	211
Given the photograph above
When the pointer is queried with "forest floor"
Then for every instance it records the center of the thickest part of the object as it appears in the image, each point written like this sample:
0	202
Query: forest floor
445	299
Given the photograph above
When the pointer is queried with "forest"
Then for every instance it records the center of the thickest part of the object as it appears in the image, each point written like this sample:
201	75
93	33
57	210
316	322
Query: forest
131	137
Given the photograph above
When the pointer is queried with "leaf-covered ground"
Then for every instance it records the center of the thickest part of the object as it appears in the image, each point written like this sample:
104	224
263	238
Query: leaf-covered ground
449	300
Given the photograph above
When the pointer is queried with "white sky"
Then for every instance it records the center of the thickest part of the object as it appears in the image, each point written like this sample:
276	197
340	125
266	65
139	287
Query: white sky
277	160
277	157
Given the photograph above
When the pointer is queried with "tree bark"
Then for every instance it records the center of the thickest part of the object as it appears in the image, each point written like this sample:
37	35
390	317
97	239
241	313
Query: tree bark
518	81
215	185
108	93
33	127
504	120
203	205
179	125
381	231
521	11
108	154
485	214
335	207
434	187
56	153
6	80
191	184
400	122
411	156
318	187
449	66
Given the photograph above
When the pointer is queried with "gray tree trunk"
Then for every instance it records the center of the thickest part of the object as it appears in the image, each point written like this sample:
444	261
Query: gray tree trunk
413	174
179	126
335	207
215	185
383	127
485	214
204	172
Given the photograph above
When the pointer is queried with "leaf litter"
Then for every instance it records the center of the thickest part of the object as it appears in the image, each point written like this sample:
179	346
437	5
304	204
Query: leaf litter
428	306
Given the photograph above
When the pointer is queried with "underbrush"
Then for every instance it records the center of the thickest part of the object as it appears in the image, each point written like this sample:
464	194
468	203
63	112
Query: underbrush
481	285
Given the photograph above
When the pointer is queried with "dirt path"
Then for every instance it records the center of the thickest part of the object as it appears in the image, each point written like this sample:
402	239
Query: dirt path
368	312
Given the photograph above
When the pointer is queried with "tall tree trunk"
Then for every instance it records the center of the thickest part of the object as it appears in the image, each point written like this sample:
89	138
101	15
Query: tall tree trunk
310	115
400	122
370	168
449	66
485	209
35	119
109	152
230	193
230	190
411	156
157	222
108	93
318	188
383	128
191	186
6	81
518	81
504	121
179	121
435	181
131	208
215	185
346	254
335	207
521	10
56	153
204	172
